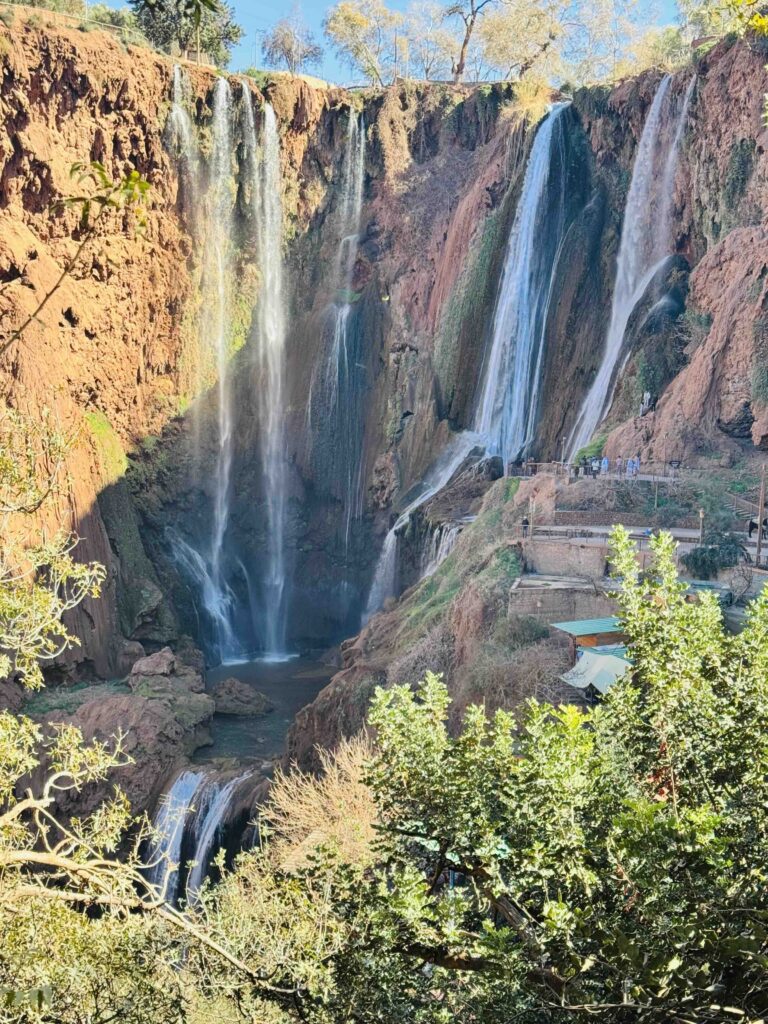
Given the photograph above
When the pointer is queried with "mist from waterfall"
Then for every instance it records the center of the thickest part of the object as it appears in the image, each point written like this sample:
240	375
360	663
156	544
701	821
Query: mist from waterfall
507	411
505	417
644	248
270	385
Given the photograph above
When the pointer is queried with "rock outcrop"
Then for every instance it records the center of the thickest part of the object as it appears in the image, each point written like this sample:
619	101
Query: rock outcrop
233	697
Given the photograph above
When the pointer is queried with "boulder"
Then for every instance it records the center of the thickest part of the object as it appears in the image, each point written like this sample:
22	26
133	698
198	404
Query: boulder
154	737
233	697
162	663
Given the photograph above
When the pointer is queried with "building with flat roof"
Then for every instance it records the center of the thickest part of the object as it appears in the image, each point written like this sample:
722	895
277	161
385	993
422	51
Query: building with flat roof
604	632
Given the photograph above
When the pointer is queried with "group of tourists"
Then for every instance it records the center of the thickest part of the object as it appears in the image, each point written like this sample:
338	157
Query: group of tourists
619	467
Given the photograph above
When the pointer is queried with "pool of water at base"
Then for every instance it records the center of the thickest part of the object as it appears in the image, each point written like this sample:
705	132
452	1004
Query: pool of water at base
289	685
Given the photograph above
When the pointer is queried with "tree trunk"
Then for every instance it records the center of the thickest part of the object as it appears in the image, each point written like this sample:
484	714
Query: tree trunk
197	41
458	69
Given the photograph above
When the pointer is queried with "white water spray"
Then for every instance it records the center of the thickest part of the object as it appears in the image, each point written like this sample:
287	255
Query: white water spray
180	133
643	250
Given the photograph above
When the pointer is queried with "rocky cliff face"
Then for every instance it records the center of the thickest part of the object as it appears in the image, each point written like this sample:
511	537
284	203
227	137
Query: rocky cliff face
442	177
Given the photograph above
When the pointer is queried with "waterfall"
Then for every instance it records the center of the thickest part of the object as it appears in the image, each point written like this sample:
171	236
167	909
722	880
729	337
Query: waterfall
505	417
507	411
188	826
180	134
441	543
204	565
173	813
215	327
214	801
335	411
271	386
216	595
643	250
384	583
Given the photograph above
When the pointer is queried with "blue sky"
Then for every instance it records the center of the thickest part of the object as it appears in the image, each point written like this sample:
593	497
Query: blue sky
257	17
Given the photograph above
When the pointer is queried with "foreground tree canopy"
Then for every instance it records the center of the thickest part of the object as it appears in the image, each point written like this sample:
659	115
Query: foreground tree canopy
557	864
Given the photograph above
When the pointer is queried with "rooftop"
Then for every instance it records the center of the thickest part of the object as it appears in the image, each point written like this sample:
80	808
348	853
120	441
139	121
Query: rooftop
598	671
589	627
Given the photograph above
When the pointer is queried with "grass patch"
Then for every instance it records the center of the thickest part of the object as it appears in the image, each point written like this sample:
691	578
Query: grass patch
69	698
593	450
113	458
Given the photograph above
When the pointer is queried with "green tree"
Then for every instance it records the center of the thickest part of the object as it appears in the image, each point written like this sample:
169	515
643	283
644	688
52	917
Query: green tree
368	37
208	24
558	865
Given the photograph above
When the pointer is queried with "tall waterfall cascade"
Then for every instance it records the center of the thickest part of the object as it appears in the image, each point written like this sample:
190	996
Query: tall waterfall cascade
209	565
508	407
505	417
270	384
644	248
216	329
203	564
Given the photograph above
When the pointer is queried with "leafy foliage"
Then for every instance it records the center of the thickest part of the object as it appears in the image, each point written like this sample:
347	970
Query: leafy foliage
209	23
720	550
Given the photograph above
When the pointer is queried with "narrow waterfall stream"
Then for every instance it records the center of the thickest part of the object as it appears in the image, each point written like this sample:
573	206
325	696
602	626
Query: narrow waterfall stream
505	416
271	387
345	390
335	409
643	250
216	328
508	407
181	138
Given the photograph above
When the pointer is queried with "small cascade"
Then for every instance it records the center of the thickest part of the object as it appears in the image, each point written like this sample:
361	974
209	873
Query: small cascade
507	412
213	806
442	541
189	826
216	330
171	820
384	583
643	250
271	386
